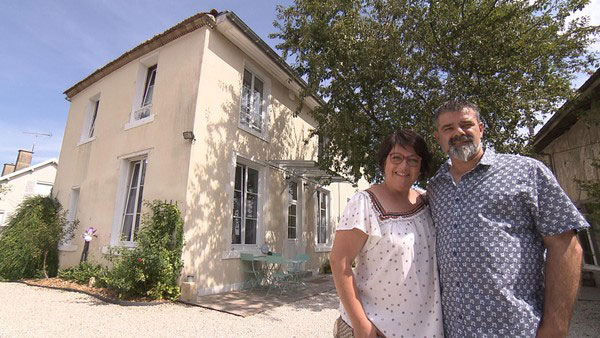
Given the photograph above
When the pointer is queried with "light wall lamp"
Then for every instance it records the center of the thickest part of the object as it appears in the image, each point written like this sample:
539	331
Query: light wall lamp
189	135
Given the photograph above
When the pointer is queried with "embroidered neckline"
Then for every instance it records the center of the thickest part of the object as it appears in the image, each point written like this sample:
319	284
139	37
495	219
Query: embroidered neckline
383	215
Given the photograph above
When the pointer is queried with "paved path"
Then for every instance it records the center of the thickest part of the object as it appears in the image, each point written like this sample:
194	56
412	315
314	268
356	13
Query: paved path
37	312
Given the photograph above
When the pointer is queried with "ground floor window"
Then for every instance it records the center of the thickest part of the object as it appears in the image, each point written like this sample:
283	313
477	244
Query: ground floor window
322	216
245	205
292	210
133	202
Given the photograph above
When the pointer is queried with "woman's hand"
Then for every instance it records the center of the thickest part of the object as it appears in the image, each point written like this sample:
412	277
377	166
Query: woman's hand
367	330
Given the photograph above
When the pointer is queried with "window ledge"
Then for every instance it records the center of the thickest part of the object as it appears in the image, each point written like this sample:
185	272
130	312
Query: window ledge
234	253
323	248
86	140
140	122
263	136
68	247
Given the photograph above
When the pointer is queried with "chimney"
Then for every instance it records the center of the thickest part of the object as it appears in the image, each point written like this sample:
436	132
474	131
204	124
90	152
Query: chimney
8	168
23	159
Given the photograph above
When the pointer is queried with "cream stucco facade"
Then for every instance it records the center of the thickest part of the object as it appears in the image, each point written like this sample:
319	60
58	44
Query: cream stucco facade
198	87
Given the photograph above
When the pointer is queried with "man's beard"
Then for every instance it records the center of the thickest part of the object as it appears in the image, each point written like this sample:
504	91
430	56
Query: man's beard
462	152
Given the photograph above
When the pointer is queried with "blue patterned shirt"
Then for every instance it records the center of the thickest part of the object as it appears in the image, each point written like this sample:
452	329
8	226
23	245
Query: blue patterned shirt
490	228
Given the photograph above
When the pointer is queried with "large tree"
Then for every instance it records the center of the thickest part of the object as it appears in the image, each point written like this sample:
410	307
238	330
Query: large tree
386	64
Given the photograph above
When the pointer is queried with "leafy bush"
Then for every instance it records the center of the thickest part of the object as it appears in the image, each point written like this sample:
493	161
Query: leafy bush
29	244
83	272
151	268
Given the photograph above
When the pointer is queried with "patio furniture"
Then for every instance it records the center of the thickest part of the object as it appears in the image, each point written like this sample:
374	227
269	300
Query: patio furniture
276	276
295	269
255	276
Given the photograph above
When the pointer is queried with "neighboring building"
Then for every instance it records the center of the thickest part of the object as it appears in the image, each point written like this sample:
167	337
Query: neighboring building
202	115
22	180
569	143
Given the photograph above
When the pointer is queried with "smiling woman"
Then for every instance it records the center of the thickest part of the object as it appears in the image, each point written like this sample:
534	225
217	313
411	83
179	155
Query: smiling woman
388	230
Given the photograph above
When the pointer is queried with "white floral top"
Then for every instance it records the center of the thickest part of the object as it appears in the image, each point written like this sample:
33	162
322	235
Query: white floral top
396	271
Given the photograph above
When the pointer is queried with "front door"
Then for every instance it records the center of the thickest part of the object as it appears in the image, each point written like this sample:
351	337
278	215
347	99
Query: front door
295	242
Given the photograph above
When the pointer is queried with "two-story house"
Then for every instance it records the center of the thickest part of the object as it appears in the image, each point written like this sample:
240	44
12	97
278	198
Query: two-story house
201	115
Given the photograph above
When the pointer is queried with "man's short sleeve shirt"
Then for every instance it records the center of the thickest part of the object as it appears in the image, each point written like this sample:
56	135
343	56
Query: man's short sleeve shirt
490	229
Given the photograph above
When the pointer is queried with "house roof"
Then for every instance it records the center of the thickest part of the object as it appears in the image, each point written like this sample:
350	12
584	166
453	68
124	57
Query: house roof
244	37
27	169
568	115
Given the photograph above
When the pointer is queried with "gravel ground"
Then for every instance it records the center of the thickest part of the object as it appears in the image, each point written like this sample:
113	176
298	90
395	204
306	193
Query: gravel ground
38	312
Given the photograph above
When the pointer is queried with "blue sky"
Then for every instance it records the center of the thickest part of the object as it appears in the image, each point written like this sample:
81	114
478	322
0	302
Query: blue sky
48	46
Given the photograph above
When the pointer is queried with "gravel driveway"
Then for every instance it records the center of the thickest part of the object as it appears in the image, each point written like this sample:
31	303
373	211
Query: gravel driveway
38	312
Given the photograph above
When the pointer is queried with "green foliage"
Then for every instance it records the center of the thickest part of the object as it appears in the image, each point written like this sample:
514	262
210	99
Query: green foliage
326	267
83	272
381	65
152	268
29	244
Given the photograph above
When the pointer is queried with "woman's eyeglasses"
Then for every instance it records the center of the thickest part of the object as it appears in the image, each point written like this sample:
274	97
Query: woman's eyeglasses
411	161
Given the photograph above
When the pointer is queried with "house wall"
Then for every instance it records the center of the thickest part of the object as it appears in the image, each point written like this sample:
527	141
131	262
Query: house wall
209	255
96	167
198	87
23	185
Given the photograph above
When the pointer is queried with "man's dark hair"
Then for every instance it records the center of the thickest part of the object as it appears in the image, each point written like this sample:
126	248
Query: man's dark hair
455	105
405	138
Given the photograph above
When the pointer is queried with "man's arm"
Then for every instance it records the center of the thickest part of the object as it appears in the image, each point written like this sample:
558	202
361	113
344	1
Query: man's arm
562	273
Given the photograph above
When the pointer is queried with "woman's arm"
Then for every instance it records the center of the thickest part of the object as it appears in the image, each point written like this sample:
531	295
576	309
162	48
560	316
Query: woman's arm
346	246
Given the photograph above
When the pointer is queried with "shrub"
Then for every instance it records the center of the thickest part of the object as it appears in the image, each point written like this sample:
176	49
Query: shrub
83	272
152	268
29	244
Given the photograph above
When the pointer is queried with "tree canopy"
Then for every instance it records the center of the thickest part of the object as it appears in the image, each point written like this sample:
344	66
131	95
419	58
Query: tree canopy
381	65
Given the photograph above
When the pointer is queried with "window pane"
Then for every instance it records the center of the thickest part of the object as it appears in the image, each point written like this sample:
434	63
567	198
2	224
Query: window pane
323	201
139	205
131	201
144	164
94	115
257	103
246	100
237	204
238	177
292	210
149	88
250	235
252	181
293	190
251	205
236	235
127	223
292	233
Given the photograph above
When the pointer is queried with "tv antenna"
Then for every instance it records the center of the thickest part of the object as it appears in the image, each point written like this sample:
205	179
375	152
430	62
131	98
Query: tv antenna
36	136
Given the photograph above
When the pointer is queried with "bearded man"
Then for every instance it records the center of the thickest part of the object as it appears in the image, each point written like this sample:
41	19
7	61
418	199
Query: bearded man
507	251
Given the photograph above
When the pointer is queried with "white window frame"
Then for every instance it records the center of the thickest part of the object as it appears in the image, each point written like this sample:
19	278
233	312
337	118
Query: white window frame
89	120
296	203
262	193
141	89
243	191
137	170
263	133
122	193
325	246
